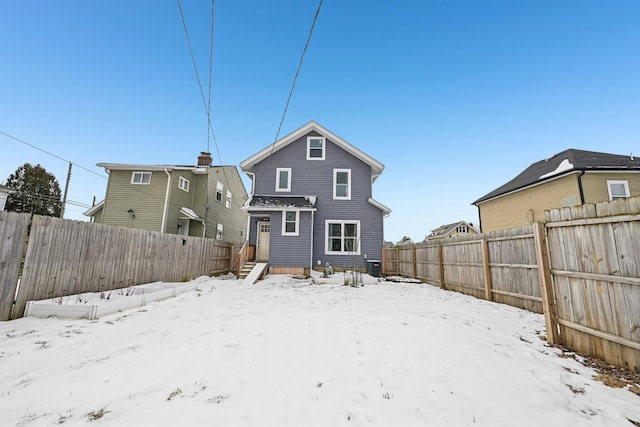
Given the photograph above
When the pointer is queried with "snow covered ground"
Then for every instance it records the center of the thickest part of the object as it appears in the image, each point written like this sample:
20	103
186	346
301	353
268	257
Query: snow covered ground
284	352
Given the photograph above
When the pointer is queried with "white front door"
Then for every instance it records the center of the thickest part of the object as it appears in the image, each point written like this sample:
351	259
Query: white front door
264	231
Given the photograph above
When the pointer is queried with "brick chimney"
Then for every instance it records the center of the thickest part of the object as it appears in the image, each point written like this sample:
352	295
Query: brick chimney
204	159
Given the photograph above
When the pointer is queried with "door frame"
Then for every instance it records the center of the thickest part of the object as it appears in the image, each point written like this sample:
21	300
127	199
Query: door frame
259	244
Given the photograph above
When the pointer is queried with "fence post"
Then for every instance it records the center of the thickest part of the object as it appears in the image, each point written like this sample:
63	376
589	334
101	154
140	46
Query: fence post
441	266
487	270
546	286
398	260
383	260
413	261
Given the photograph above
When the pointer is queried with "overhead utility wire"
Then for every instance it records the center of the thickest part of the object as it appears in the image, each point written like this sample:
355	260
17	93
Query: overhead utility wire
210	76
51	154
295	78
195	68
207	108
293	84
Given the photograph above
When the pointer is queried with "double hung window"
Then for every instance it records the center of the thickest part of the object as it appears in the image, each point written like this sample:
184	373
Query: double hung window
290	223
315	148
342	184
342	237
283	179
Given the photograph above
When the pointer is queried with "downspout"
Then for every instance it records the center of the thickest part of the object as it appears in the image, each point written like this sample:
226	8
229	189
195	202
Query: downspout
311	251
166	201
580	189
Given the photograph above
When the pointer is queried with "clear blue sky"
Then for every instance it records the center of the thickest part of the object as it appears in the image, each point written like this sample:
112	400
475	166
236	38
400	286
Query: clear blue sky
454	97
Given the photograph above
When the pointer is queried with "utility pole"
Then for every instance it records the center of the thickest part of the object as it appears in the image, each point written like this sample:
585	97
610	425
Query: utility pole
66	190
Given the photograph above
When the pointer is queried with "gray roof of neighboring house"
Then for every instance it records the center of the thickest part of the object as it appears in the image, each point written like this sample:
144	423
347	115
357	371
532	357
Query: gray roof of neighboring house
281	202
443	230
563	163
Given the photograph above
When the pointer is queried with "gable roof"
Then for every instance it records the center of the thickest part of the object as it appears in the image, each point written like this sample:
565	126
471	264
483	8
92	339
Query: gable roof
565	163
443	230
376	166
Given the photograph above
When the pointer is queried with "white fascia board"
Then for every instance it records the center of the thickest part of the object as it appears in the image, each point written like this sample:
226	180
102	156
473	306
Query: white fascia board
94	209
121	166
380	206
376	166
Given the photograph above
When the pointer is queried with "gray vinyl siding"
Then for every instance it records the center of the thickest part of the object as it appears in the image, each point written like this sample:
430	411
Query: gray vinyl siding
290	251
315	178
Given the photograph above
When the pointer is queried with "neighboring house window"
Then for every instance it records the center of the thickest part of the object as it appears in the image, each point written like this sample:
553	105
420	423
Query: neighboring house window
283	179
462	229
141	178
618	189
219	229
342	237
183	184
228	201
290	221
241	233
219	189
342	184
315	148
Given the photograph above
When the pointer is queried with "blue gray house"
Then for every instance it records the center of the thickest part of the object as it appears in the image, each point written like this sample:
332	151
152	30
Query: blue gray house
311	203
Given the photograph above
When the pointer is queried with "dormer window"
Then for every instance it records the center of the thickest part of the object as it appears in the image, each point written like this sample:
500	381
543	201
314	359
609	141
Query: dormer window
462	229
315	148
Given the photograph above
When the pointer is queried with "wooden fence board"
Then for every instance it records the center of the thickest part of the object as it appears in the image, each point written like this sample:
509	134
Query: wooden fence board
13	238
68	257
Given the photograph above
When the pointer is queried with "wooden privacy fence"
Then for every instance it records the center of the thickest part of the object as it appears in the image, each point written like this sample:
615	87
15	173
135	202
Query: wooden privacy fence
581	269
595	263
66	257
499	266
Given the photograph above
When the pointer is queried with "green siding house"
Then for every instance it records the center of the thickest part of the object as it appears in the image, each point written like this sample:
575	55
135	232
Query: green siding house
201	200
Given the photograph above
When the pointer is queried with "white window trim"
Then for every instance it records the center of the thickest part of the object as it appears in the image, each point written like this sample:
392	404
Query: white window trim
335	177
284	224
278	170
183	184
341	221
613	182
219	231
229	199
219	190
142	174
324	147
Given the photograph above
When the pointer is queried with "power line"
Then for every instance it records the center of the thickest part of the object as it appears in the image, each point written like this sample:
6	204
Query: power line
293	84
195	68
210	75
51	154
295	78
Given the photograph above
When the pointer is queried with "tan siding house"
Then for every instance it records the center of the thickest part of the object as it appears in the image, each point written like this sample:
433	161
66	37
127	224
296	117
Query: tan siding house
175	199
570	178
450	230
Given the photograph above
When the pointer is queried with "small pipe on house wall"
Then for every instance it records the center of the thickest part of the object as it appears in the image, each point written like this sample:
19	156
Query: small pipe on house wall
311	249
580	189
